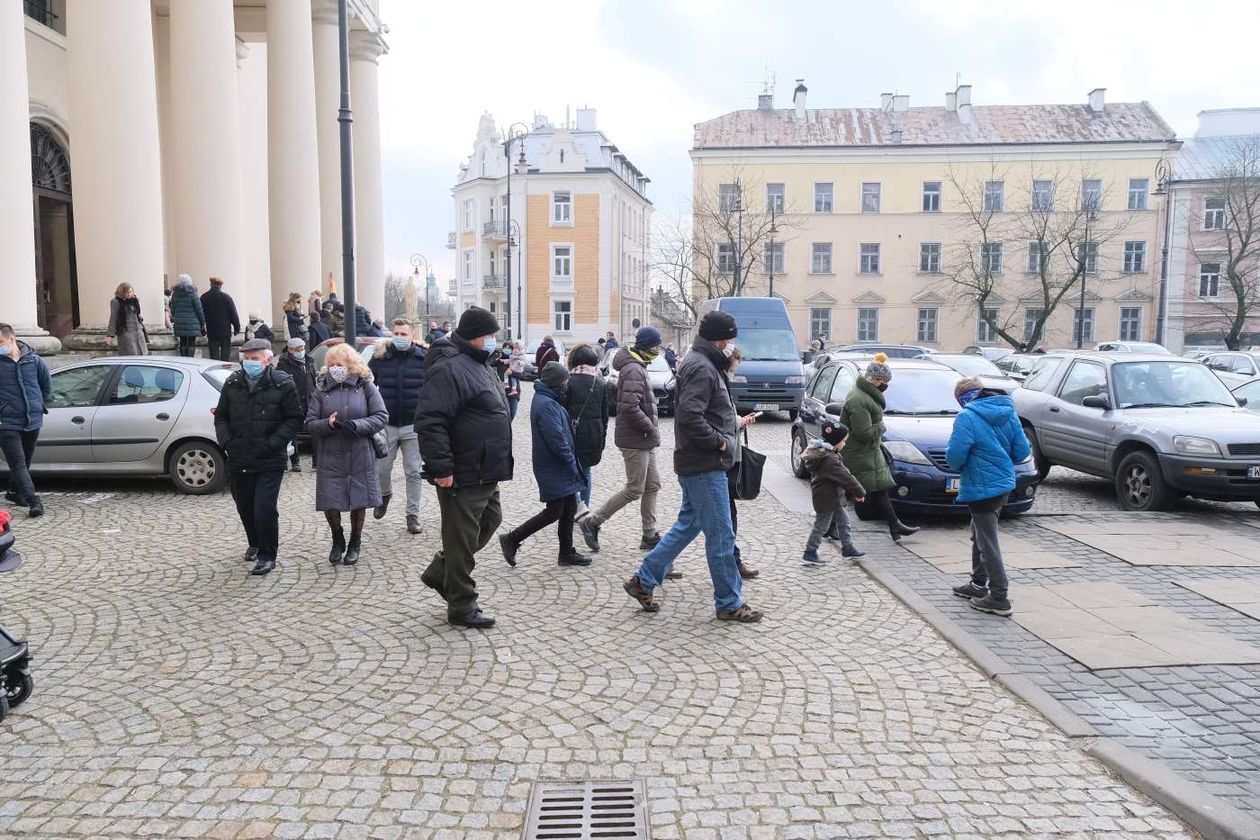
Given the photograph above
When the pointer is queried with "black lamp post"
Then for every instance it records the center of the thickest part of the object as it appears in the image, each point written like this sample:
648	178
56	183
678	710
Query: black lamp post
770	255
418	260
739	246
1090	214
1163	179
514	237
507	154
345	119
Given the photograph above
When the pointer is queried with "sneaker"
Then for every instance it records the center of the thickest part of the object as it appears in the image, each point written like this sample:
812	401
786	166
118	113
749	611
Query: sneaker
649	542
811	558
969	590
636	591
509	549
851	550
572	558
590	533
744	615
992	606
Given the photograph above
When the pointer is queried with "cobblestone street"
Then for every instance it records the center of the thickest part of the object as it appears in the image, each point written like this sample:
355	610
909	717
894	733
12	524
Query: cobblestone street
177	696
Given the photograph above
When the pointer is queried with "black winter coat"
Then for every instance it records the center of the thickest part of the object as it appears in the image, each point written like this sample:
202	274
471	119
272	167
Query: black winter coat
220	312
303	374
462	416
399	374
588	405
706	416
318	333
255	428
293	324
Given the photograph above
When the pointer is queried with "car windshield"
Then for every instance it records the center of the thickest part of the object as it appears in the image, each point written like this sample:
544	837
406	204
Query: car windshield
1145	347
1172	383
1023	364
767	345
218	375
919	391
972	365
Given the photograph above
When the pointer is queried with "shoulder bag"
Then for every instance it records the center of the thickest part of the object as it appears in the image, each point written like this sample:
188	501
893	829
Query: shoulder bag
749	469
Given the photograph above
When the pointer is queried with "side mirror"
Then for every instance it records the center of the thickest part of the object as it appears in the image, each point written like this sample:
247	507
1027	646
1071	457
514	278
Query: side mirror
1097	401
1242	401
835	409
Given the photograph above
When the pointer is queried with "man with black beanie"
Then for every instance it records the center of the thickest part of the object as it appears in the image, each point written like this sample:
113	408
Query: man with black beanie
705	440
465	434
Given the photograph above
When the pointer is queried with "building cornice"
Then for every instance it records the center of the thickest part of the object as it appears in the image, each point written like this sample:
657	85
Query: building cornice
934	153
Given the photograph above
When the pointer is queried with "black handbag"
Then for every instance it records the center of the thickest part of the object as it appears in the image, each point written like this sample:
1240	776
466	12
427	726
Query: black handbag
749	469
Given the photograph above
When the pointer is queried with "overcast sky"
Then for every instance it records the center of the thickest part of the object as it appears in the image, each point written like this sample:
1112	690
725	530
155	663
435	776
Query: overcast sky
654	68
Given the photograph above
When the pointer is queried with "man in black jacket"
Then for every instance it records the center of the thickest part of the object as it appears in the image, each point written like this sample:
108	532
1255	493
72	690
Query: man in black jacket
466	437
258	414
222	322
397	368
706	442
298	363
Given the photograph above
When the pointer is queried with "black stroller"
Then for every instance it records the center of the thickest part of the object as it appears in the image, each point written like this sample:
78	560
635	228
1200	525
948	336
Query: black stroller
16	682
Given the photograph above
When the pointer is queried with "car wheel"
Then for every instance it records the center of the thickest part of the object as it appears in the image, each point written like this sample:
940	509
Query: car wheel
1041	462
198	468
865	511
798	450
1140	484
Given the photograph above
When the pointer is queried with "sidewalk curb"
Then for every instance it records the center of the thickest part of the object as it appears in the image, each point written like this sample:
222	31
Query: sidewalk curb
1210	815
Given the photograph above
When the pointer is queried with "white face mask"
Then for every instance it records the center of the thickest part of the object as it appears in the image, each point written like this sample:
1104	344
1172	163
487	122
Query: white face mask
728	350
339	373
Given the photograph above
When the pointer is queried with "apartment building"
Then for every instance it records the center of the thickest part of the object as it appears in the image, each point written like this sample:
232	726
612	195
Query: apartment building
882	212
576	231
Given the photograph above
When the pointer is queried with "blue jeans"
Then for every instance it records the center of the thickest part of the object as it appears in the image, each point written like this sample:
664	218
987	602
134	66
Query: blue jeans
585	492
705	508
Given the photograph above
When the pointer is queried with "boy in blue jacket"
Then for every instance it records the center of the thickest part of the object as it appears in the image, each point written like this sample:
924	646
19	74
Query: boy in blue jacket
986	444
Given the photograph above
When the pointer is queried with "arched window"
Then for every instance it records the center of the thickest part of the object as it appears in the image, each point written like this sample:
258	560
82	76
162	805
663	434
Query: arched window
50	168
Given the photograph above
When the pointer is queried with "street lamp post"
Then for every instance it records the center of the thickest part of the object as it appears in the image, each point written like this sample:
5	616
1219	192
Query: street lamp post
1163	180
345	119
1090	214
770	257
739	246
418	260
507	154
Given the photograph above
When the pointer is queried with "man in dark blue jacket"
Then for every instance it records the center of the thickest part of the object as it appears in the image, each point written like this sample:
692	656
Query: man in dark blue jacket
25	387
397	368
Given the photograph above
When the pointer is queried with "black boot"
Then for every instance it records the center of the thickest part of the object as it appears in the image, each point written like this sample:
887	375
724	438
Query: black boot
378	512
897	529
570	557
338	546
352	550
263	565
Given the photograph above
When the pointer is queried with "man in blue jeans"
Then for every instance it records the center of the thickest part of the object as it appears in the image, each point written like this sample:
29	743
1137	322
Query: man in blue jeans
705	442
25	387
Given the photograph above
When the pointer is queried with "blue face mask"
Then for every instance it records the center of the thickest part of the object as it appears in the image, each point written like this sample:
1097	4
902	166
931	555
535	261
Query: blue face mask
491	344
6	350
299	356
401	342
252	367
967	396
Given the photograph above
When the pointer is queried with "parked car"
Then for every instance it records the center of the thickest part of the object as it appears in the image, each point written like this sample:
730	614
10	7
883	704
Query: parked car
968	364
919	418
136	415
892	351
770	377
1198	355
1018	365
990	353
1149	347
1248	395
1158	426
1235	367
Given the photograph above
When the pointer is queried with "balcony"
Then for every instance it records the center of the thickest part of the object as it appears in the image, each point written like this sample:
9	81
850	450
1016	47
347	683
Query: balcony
492	282
450	240
495	229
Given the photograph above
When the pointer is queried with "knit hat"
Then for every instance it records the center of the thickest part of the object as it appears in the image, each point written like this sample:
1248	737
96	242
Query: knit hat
879	369
833	431
717	325
255	344
647	337
554	374
295	343
476	322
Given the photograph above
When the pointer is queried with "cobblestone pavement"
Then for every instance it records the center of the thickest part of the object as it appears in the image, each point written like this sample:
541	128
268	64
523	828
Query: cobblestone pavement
179	697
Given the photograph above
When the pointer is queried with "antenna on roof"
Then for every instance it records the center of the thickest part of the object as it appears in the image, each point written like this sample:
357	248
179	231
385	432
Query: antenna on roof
768	81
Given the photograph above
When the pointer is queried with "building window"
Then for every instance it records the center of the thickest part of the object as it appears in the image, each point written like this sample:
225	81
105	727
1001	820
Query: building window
819	322
927	325
994	192
1087	252
1088	323
1131	322
1091	194
1209	280
820	258
1214	214
470	213
868	260
868	324
931	196
822	198
991	257
725	258
1031	316
985	332
1134	257
468	264
728	198
870	197
774	257
562	262
1137	193
929	257
562	312
562	208
775	198
1037	257
1042	196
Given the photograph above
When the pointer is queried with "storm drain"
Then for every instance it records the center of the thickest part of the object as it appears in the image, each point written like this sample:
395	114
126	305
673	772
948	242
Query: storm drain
587	810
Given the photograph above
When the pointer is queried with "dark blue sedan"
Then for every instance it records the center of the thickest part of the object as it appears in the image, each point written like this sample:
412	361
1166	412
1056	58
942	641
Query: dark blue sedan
919	418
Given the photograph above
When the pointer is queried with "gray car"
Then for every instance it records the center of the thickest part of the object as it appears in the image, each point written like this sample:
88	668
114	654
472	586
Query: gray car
136	415
1158	426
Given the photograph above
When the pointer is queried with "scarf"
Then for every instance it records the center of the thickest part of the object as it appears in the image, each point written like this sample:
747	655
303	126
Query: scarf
590	370
125	304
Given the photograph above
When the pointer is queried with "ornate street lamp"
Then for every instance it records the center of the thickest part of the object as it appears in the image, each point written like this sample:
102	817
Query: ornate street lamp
512	135
413	280
1163	181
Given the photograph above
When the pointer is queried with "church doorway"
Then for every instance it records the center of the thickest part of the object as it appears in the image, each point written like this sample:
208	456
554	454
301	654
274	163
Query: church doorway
57	299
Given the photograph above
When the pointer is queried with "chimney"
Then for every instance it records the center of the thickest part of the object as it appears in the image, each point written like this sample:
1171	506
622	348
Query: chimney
585	119
798	99
885	99
765	102
896	136
900	104
951	101
963	98
1096	100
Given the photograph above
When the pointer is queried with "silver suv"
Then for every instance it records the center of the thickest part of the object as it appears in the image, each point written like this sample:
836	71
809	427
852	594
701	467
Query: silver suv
1158	426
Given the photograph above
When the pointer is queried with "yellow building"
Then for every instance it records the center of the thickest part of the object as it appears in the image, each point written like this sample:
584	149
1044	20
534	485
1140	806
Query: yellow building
892	221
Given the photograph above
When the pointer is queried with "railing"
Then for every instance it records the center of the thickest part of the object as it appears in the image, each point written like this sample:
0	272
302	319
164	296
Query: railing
496	228
450	239
493	281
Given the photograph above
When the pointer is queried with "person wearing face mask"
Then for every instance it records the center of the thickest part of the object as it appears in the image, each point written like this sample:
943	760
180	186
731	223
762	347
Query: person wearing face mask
345	411
257	415
397	366
705	437
296	362
864	453
25	387
257	328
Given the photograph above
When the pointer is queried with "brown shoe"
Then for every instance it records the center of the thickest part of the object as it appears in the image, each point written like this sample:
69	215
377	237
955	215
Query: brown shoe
747	572
672	575
413	524
636	591
744	615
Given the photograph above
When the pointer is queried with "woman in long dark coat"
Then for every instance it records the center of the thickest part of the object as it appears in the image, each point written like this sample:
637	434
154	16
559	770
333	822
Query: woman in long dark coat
588	409
126	325
344	411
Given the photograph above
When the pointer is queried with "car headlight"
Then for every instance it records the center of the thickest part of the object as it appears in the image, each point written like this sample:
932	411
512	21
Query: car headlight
904	450
740	379
794	380
1188	445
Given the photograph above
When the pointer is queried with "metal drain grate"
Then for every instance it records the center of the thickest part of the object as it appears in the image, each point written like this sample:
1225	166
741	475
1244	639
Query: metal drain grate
587	811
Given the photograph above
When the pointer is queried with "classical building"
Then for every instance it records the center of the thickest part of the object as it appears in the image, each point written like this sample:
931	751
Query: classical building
1216	169
144	139
879	214
576	230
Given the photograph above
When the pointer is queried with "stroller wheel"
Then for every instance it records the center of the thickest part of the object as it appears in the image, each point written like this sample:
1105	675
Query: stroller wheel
4	706
18	687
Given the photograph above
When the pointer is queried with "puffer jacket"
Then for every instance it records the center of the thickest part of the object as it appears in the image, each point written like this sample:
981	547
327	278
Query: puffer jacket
829	478
25	386
462	416
588	407
637	424
255	427
399	374
706	415
864	453
984	447
187	316
555	456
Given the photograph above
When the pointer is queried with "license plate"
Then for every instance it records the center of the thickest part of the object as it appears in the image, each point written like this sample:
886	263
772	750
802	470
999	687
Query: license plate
953	485
1253	473
766	407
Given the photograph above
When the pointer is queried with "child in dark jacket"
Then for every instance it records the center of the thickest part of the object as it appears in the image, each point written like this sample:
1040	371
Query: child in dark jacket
829	480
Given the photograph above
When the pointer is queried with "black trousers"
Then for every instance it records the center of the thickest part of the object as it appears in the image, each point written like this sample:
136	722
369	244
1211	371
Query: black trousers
732	475
557	510
883	503
188	345
256	496
19	450
220	346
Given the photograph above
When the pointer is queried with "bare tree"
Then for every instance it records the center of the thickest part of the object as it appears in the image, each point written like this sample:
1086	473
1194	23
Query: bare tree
395	296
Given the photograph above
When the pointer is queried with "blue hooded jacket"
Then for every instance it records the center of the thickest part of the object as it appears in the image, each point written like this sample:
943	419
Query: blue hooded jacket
555	451
25	385
986	444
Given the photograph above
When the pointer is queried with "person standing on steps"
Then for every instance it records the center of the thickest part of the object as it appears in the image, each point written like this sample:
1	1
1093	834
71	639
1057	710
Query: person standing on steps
25	386
587	402
829	480
257	415
222	322
188	320
864	454
296	362
257	328
986	444
466	440
556	469
126	325
397	368
705	434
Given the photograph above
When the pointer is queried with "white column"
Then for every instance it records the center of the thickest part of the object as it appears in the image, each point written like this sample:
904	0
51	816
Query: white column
116	153
369	215
292	159
206	135
327	99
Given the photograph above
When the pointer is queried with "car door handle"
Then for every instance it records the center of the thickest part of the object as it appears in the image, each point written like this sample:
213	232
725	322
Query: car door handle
164	416
1055	409
78	420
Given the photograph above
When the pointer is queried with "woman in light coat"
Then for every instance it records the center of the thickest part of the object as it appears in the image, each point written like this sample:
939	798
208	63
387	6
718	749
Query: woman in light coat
126	326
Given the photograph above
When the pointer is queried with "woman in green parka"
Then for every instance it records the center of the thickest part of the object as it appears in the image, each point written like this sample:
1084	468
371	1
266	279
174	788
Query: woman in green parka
864	455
